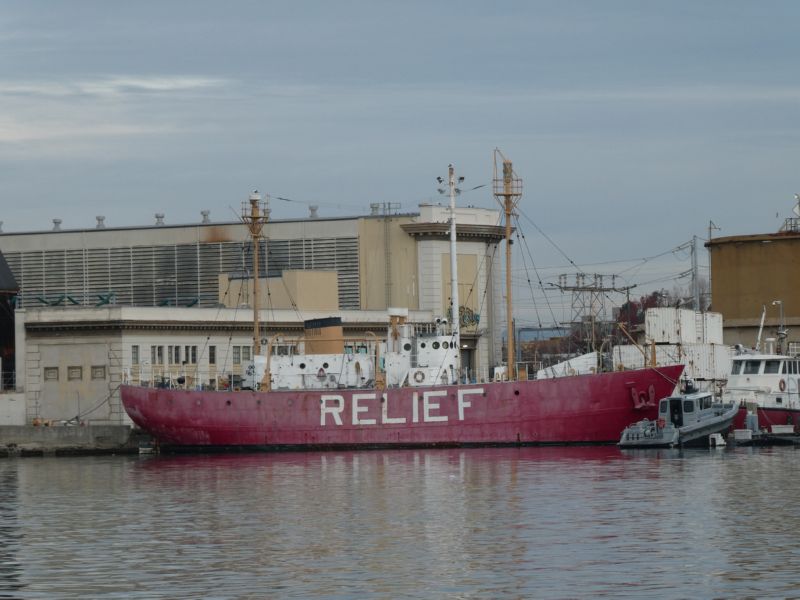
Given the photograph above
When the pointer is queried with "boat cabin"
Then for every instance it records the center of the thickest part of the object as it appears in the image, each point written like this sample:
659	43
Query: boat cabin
683	410
771	380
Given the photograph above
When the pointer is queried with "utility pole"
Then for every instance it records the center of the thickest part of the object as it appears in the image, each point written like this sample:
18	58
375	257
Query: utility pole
711	228
695	275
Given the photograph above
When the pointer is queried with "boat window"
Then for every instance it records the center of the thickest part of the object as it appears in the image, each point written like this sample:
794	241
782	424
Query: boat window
435	345
751	367
772	366
688	406
705	402
407	347
663	406
737	367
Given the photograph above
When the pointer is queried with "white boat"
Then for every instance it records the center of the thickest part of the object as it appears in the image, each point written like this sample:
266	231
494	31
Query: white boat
686	420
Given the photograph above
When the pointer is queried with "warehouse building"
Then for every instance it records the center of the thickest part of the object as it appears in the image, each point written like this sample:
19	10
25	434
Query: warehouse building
97	306
750	273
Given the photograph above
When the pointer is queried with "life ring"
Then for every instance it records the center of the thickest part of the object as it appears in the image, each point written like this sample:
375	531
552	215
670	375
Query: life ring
419	376
782	385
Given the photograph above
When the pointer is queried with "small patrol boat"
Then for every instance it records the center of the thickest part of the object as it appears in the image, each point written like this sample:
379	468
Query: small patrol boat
685	420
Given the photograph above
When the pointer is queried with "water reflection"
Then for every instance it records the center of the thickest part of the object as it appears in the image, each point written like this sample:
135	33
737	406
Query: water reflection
476	523
10	534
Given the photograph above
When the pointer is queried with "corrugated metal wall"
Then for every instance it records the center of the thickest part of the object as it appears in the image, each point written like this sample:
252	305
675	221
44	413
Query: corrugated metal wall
176	274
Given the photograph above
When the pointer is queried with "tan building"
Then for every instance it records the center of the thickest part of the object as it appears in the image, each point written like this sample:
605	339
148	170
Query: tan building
750	272
96	305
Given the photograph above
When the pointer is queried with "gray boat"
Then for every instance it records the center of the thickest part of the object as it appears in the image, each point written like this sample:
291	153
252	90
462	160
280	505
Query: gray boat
685	420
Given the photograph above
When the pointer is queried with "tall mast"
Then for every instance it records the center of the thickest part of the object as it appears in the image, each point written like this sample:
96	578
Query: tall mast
255	220
455	314
507	192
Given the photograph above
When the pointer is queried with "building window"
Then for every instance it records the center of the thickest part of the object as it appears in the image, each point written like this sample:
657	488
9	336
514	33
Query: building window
212	355
160	353
134	355
237	355
74	373
153	355
99	372
190	354
246	354
51	373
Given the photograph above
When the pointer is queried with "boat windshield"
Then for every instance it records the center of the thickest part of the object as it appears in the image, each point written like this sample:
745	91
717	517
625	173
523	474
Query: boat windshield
736	368
772	366
751	367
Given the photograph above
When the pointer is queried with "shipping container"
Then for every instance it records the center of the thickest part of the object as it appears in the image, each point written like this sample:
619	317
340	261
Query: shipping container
702	361
682	326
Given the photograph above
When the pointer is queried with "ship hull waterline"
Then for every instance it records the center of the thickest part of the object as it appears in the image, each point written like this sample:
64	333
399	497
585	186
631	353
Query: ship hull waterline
583	409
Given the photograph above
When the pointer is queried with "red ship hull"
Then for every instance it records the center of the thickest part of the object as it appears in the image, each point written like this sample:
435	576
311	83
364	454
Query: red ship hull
769	416
579	409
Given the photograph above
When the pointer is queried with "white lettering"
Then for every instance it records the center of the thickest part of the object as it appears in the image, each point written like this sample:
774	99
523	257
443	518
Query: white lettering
462	403
428	406
336	411
385	418
360	409
415	407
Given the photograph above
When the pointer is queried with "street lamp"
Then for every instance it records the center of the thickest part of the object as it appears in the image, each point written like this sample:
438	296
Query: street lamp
782	332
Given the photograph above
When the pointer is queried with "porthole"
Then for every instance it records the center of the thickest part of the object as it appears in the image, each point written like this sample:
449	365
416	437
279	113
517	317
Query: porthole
435	345
302	365
407	347
324	365
445	345
422	345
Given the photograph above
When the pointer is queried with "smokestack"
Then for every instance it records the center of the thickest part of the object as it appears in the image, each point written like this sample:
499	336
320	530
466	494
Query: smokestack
312	211
159	219
56	224
374	209
205	214
101	222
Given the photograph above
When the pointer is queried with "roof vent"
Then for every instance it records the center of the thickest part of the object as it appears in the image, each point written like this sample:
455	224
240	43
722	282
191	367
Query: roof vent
159	219
101	222
205	214
374	209
56	224
312	211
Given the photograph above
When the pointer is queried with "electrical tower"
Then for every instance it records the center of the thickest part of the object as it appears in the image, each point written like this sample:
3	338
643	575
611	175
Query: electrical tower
589	295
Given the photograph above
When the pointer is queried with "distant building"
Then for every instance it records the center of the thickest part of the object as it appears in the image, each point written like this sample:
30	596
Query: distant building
750	272
8	295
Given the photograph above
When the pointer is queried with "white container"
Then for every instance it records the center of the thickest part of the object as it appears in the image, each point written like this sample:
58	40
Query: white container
712	333
670	325
742	435
702	361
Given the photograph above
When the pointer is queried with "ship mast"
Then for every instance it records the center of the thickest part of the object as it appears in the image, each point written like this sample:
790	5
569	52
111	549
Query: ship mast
255	220
455	313
507	192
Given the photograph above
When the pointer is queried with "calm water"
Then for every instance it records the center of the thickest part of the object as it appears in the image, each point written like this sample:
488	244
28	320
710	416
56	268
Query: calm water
477	523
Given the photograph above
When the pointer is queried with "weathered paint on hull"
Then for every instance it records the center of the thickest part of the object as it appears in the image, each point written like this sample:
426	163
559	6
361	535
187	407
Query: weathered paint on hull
579	409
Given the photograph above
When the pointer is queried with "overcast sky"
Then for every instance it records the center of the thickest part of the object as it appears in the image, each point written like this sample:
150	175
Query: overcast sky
631	123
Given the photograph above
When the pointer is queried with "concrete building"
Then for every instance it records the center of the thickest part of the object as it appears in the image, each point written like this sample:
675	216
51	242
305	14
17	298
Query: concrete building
750	272
102	304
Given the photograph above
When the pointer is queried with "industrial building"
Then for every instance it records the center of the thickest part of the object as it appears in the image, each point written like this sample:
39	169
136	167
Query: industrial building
98	305
751	274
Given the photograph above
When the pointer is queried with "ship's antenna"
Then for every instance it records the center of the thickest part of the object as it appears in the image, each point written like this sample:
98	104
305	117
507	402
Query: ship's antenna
255	218
507	192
